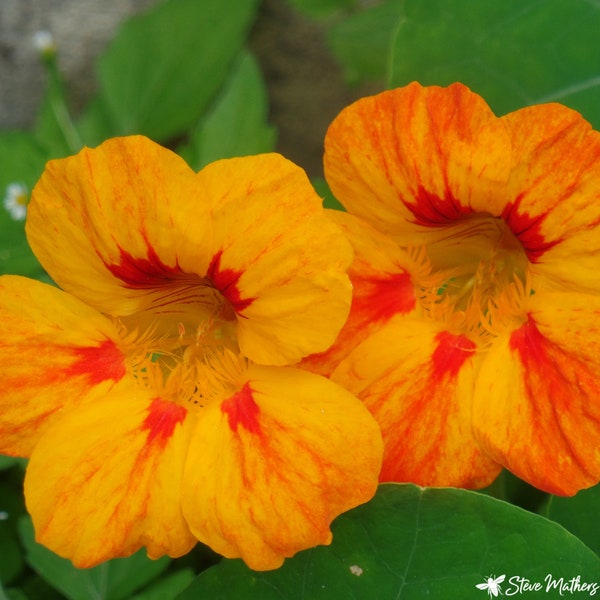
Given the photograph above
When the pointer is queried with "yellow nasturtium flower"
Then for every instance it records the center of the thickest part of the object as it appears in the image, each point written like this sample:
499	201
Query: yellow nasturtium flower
474	334
155	392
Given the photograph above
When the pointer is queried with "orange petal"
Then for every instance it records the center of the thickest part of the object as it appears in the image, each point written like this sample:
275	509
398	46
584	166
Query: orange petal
418	383
418	155
277	462
278	258
106	480
55	352
553	198
110	223
536	406
382	276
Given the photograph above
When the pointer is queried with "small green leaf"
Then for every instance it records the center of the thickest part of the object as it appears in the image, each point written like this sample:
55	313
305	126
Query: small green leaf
410	543
363	42
237	124
163	67
513	53
579	514
113	580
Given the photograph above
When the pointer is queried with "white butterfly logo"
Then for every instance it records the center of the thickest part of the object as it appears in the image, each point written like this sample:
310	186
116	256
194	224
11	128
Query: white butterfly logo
492	585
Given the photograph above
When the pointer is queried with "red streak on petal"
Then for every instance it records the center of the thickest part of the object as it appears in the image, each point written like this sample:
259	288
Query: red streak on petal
226	280
527	230
531	346
241	409
450	354
432	211
99	363
163	417
382	297
143	273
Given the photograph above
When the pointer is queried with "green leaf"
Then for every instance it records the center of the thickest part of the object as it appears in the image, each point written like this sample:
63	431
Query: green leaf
322	188
11	508
163	67
6	462
513	53
237	124
113	580
167	587
363	42
11	594
95	124
579	514
410	543
22	160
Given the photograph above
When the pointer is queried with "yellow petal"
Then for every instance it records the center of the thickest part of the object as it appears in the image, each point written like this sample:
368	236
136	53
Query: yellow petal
418	383
382	276
278	258
276	463
55	352
418	155
106	480
123	225
553	201
536	405
110	223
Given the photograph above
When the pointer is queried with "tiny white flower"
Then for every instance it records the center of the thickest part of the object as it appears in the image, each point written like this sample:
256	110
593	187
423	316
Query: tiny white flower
356	570
3	515
16	200
43	42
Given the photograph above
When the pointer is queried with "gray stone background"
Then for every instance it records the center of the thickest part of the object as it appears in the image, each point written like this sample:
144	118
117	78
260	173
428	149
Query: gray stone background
306	86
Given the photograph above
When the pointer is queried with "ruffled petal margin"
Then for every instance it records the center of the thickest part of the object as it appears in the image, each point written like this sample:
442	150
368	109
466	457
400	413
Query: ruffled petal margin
56	353
537	407
417	382
277	462
426	156
553	196
111	223
278	258
106	480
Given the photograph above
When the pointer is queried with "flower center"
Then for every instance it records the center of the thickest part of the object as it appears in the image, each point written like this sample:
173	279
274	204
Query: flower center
183	345
479	278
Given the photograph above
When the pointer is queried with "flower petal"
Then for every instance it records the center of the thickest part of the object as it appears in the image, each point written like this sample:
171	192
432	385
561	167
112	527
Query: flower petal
55	352
425	156
278	461
553	196
536	405
278	258
106	480
417	381
128	220
383	286
112	222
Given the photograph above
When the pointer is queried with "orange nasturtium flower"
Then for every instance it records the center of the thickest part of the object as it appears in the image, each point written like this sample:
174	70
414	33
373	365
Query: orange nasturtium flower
474	335
155	392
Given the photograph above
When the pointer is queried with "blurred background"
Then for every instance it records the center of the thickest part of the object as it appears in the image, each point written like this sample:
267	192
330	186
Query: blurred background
306	84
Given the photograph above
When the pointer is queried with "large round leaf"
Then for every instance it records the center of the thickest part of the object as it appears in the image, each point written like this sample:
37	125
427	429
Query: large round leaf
513	53
413	543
